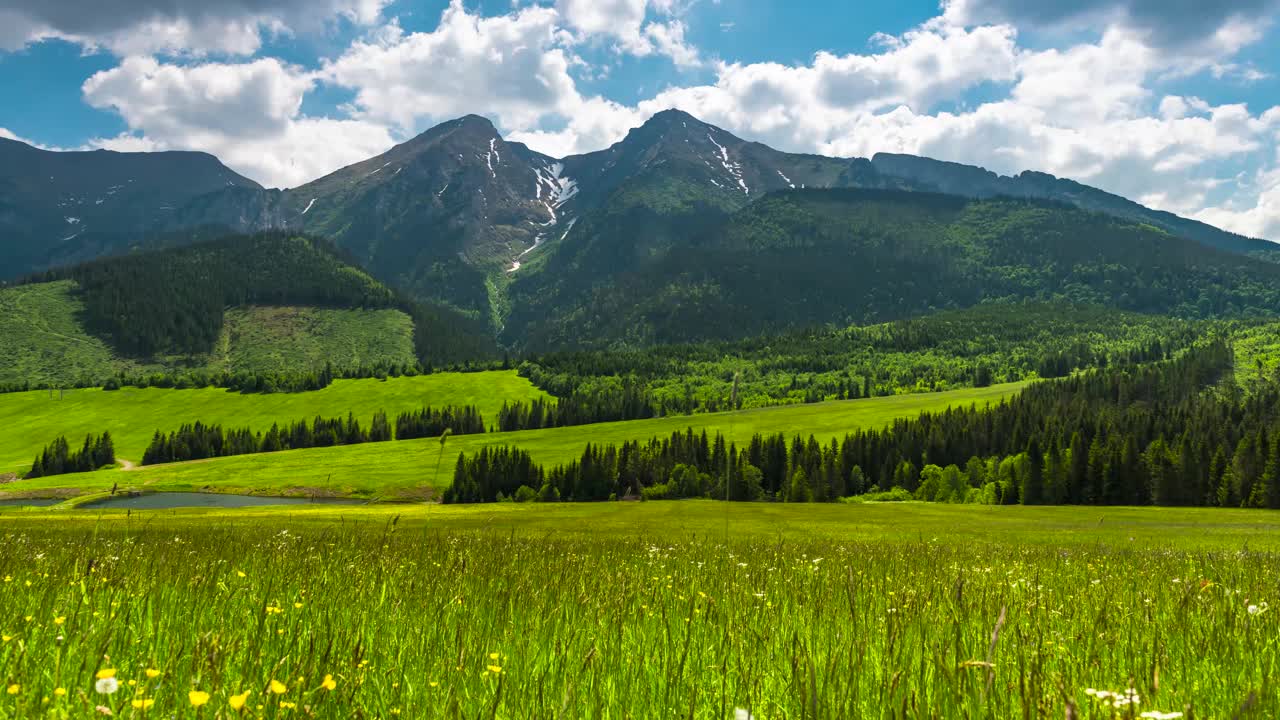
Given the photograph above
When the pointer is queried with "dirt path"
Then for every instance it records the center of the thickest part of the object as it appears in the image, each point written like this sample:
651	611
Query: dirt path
126	465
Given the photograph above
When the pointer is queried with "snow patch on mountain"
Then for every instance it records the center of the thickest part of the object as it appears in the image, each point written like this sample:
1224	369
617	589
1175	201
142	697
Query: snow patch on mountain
734	169
488	158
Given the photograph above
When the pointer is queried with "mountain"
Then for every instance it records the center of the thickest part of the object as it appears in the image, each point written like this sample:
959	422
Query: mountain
64	207
462	219
974	182
850	256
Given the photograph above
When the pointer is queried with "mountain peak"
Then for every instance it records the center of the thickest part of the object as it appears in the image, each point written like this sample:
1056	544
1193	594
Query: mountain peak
477	122
669	117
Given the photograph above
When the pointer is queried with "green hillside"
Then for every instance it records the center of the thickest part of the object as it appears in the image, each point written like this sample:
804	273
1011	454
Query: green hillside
405	467
294	339
259	305
173	301
800	258
33	419
42	341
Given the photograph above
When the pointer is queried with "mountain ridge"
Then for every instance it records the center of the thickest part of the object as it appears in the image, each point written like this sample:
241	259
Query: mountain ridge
461	217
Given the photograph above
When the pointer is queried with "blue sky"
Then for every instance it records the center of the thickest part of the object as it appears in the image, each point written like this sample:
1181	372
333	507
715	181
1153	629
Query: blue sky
1176	105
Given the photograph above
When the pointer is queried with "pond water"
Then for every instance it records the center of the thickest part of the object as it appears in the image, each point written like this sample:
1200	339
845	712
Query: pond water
30	502
172	500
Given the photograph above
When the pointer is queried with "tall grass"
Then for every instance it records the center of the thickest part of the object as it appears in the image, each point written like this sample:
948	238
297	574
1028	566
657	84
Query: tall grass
429	622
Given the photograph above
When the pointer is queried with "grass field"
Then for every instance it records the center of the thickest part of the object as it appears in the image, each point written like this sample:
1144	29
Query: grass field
298	339
41	340
642	610
405	468
132	415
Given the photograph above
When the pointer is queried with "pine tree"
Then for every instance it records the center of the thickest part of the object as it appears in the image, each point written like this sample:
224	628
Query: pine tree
1033	490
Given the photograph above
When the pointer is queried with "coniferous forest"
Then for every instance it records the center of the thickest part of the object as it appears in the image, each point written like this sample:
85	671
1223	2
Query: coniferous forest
58	458
198	441
1169	433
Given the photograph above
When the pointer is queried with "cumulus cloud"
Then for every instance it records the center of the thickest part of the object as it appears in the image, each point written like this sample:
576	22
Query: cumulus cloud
624	23
507	66
129	27
248	114
1182	25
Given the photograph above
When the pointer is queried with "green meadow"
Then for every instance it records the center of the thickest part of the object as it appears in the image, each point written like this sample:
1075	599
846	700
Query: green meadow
408	468
273	339
689	609
44	341
33	419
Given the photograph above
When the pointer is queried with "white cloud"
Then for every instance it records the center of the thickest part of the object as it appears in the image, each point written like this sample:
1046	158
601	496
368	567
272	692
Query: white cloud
178	27
668	39
247	114
595	123
507	66
1187	29
624	23
1261	218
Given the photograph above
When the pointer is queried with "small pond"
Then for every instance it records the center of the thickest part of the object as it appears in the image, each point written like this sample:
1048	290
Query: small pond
30	502
171	500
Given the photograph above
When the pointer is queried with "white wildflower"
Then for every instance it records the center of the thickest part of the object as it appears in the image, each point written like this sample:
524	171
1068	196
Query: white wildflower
107	686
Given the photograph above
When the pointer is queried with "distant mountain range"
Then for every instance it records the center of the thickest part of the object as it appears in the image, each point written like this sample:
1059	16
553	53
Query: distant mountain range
540	248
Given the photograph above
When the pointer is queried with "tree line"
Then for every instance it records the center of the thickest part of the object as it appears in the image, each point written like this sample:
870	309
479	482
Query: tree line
974	347
582	406
199	441
58	458
1177	432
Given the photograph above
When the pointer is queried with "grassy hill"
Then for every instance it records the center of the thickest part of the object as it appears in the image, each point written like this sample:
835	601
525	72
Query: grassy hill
43	342
259	304
405	467
33	419
289	339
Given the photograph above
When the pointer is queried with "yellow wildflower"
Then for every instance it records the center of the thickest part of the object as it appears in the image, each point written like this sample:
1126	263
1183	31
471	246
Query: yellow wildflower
197	698
237	701
59	620
495	669
153	673
329	683
105	673
60	692
14	689
288	705
142	703
278	687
